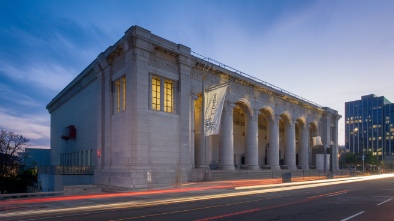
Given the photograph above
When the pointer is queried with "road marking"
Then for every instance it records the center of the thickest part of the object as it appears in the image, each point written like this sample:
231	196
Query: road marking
350	217
384	202
330	194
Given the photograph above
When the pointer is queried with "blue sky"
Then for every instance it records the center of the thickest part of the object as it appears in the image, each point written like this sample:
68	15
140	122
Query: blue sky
328	52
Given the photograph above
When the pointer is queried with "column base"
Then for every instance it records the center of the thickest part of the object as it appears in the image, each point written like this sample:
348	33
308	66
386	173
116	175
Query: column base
275	167
253	167
293	167
228	167
304	167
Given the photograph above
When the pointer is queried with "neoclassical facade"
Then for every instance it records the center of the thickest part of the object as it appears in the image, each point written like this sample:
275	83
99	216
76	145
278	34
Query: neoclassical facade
135	116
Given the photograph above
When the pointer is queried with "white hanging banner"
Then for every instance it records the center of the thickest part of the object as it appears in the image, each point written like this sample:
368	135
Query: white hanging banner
214	100
316	141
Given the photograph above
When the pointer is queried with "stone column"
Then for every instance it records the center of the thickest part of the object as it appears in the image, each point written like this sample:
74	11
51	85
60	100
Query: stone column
208	149
226	142
327	142
251	150
290	154
202	155
303	155
335	146
273	149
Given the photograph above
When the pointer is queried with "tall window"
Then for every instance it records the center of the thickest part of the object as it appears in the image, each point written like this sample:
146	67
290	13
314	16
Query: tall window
163	94
168	96
155	93
119	89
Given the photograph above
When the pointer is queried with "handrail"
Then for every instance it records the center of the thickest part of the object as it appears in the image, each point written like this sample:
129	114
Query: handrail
253	78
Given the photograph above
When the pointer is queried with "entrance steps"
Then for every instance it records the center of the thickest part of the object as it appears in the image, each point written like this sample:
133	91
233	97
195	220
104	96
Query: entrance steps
218	175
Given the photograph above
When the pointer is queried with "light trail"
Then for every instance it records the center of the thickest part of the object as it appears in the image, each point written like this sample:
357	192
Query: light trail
148	203
110	195
315	181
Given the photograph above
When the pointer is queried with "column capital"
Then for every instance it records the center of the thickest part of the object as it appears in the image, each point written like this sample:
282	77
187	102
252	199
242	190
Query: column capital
228	107
255	115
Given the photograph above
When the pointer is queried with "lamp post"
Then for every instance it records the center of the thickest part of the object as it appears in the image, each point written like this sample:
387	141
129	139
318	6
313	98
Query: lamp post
354	134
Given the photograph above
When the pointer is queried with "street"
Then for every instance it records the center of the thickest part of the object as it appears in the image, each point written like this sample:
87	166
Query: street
354	198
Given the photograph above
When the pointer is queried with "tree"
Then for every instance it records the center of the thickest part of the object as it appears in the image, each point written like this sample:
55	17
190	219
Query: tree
350	158
371	159
11	154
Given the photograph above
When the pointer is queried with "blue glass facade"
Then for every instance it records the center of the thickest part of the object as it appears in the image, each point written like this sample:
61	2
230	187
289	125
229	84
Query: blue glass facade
369	125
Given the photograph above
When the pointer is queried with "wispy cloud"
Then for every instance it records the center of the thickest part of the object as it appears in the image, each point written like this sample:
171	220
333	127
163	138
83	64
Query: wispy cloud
33	126
9	94
48	75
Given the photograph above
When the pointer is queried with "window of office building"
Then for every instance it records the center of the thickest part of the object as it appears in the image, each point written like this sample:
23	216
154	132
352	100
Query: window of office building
119	93
163	94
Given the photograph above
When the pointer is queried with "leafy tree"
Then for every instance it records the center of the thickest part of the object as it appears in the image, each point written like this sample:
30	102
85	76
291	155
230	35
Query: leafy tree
11	154
350	158
371	159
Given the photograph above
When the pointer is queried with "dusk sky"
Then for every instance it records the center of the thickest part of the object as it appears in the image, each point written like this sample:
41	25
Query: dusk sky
328	52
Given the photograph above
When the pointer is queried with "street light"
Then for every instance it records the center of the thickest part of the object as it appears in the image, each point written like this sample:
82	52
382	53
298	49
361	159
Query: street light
354	134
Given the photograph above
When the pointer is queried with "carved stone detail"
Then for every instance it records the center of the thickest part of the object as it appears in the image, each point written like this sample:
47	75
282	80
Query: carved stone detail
119	63
163	64
195	86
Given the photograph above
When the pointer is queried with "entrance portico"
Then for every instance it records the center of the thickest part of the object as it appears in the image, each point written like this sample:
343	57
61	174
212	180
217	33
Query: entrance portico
267	134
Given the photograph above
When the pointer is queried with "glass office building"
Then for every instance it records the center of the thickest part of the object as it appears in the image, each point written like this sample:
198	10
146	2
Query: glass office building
369	125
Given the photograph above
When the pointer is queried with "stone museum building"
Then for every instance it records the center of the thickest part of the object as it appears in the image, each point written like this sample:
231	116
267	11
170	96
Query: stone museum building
134	118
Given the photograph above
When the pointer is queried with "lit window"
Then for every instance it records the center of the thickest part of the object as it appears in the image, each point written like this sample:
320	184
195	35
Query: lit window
168	95
119	89
163	94
155	93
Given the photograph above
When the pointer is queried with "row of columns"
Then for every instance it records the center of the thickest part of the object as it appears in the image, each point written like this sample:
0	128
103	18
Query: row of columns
226	143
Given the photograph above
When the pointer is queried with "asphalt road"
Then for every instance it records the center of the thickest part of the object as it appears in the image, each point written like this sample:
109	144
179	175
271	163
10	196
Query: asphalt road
335	199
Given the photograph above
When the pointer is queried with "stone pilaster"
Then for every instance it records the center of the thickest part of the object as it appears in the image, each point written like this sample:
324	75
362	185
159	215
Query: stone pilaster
226	142
251	152
290	154
192	128
273	149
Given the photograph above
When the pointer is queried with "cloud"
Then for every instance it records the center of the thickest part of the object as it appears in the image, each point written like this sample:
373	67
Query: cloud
9	94
48	75
32	126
